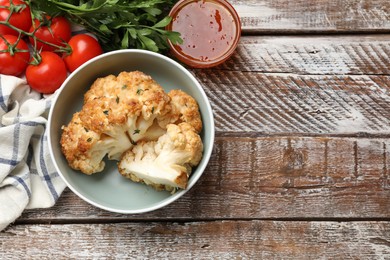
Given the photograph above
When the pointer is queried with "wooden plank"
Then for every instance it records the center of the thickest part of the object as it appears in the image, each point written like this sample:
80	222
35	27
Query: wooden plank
272	178
201	240
269	104
324	55
301	16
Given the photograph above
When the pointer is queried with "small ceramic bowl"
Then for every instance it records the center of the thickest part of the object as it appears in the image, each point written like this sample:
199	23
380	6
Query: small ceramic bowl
109	190
210	30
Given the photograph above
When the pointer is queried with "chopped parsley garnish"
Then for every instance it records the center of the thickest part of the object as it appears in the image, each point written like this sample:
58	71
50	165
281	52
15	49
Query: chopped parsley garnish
139	91
105	112
89	139
136	131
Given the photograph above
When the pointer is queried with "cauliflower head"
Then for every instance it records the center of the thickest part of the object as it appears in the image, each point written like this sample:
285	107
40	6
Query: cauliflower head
125	112
165	164
117	112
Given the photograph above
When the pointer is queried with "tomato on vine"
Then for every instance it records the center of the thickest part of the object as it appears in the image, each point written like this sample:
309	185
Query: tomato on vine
48	75
56	31
18	15
14	55
83	48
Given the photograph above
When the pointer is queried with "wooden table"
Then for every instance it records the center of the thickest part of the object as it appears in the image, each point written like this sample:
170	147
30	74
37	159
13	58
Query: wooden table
301	164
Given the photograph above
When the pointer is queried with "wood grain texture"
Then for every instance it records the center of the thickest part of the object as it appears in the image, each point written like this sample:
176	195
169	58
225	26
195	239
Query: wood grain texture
262	104
202	240
301	16
302	85
268	178
301	163
323	55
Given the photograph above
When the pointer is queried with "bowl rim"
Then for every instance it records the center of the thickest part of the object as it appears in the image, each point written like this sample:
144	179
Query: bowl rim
200	168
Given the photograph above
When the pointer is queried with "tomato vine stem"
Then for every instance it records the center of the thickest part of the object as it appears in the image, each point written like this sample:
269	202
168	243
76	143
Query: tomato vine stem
21	34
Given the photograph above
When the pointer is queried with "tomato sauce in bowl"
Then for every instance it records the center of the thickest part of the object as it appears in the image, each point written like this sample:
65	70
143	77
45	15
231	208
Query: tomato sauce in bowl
210	30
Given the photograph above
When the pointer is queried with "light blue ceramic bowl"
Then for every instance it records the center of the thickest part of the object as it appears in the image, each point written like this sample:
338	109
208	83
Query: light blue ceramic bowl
109	190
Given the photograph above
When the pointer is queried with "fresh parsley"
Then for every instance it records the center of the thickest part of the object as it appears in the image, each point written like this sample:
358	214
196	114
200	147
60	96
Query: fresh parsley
118	24
139	91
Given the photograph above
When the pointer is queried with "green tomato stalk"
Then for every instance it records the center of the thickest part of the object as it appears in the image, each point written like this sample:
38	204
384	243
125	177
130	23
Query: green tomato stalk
13	8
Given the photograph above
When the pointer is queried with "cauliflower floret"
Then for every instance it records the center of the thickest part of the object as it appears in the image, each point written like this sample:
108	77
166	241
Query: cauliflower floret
103	87
133	91
118	111
184	108
166	163
85	149
76	142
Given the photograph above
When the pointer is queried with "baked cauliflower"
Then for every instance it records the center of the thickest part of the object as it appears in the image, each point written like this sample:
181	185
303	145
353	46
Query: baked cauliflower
117	112
164	164
125	112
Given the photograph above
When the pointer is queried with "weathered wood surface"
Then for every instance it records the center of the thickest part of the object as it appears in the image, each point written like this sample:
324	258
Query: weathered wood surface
285	104
317	16
312	55
270	178
200	240
309	117
300	168
303	85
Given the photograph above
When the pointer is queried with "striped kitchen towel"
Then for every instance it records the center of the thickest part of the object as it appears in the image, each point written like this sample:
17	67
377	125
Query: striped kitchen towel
28	178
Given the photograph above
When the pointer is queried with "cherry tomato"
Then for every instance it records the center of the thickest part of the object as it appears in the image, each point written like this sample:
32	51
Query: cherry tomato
20	19
56	31
48	75
84	47
13	59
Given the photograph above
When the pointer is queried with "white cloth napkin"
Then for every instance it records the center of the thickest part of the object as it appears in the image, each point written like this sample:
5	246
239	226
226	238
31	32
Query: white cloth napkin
28	178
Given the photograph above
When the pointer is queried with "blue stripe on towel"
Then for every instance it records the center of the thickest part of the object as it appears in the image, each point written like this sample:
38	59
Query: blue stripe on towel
12	163
3	105
45	171
15	149
30	154
30	123
23	183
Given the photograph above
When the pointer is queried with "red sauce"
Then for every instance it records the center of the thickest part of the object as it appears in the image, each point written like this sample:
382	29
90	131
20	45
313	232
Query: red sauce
208	30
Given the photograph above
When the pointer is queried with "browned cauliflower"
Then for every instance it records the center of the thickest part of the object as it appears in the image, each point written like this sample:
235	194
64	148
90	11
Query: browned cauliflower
184	108
121	111
164	164
117	112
